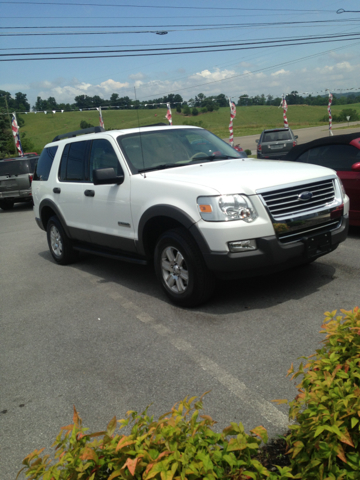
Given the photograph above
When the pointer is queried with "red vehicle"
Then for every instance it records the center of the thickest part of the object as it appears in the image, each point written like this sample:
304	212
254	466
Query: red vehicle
341	153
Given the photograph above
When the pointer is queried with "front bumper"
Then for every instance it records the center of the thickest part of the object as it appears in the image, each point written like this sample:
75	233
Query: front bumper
271	255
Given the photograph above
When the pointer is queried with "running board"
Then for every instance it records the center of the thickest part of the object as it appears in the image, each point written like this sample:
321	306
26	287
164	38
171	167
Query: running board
114	256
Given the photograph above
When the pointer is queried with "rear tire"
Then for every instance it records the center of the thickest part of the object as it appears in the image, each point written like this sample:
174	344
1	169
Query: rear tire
6	204
59	244
181	270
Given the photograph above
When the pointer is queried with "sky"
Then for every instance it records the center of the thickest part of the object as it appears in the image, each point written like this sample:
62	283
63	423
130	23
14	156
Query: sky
222	61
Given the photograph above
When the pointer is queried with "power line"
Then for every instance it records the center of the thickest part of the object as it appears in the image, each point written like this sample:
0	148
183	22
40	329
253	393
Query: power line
211	25
290	41
167	7
179	53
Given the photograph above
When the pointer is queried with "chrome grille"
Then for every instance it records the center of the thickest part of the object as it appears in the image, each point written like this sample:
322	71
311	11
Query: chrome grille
285	202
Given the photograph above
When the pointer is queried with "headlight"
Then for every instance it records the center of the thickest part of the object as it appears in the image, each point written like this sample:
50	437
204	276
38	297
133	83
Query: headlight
226	208
342	188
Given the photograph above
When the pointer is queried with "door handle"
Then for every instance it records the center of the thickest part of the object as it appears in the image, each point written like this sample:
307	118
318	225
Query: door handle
89	193
56	190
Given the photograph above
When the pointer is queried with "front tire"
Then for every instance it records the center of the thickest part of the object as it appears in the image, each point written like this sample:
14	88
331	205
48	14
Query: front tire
59	245
181	270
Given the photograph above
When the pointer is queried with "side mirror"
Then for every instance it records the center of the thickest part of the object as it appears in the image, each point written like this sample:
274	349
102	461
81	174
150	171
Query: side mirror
296	136
356	167
107	176
257	140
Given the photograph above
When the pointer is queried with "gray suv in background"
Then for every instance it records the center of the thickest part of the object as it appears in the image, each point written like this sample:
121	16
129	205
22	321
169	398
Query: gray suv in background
275	143
16	175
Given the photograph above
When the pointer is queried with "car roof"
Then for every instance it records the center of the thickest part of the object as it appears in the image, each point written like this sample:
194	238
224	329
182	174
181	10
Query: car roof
343	139
276	130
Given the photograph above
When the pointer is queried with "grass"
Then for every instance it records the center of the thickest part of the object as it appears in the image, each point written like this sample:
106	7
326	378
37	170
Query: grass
41	128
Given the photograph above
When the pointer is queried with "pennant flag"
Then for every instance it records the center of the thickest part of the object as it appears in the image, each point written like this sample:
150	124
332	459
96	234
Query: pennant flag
329	111
284	107
54	111
16	134
101	120
232	116
45	112
80	109
168	114
62	111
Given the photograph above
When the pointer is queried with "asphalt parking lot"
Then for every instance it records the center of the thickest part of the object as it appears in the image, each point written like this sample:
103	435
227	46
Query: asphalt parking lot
101	335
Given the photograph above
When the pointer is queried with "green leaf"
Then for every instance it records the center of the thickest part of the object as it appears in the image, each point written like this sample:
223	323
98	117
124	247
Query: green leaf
319	430
354	422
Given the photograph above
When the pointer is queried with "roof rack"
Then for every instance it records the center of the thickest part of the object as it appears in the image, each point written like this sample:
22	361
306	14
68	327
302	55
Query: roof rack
79	132
155	125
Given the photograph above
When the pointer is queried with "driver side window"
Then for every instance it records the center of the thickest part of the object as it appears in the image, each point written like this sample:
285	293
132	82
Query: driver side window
103	156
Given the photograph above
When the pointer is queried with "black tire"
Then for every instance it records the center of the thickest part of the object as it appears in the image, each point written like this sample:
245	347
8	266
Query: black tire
181	270
6	204
59	245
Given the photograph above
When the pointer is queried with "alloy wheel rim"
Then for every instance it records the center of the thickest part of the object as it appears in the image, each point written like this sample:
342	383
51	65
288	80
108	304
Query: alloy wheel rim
56	241
174	270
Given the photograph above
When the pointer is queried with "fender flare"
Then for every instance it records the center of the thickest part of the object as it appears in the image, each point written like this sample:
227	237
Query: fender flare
49	203
175	214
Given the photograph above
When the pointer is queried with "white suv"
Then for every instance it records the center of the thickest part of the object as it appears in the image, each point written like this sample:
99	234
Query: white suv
184	199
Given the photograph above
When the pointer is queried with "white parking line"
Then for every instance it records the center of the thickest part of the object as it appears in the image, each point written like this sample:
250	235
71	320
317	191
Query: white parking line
267	409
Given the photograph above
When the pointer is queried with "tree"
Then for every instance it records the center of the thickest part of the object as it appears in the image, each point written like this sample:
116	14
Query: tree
5	134
222	100
21	102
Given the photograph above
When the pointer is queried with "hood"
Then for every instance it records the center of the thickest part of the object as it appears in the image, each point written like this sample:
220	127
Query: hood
242	175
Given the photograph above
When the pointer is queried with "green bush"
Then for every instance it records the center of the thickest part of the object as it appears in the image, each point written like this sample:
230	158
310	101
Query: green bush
178	108
186	110
179	445
248	152
85	124
194	111
341	117
325	441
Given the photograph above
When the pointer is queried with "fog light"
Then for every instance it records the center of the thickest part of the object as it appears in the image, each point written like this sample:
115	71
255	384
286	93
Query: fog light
242	246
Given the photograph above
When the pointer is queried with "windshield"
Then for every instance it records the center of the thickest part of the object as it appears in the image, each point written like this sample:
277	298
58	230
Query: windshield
173	148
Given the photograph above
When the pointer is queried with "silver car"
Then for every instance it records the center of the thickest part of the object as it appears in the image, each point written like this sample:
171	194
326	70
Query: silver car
275	143
16	175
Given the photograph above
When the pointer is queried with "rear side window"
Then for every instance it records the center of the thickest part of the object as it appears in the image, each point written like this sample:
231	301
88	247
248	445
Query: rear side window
45	161
337	157
74	162
277	136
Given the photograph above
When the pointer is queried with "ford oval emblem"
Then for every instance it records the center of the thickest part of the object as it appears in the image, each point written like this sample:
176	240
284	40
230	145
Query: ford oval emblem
305	196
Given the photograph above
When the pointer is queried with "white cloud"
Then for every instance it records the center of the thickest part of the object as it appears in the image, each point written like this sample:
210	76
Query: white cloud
211	76
280	72
137	76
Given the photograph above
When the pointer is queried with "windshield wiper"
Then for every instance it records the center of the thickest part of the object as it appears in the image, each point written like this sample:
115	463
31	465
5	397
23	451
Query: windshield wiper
215	157
160	167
